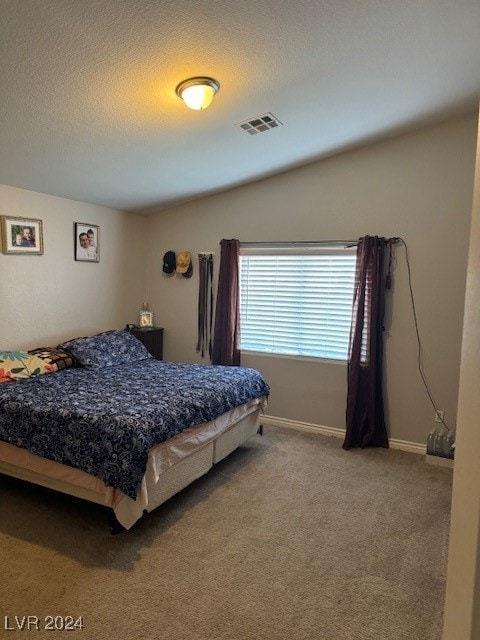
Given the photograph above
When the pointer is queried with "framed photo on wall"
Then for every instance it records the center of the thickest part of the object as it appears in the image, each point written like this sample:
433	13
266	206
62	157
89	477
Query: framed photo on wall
21	235
87	242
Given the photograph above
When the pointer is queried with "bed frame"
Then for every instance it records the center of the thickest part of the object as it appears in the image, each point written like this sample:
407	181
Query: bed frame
172	466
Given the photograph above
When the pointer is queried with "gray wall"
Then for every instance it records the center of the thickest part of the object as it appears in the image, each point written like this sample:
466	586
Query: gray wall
417	186
462	608
51	297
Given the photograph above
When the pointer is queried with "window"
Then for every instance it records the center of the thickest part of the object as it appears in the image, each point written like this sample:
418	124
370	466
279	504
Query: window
296	299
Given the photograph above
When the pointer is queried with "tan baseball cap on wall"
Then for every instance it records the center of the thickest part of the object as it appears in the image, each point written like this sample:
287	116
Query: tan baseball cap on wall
184	264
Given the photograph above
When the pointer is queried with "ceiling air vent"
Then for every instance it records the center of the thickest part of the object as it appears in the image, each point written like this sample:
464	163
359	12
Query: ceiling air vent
260	124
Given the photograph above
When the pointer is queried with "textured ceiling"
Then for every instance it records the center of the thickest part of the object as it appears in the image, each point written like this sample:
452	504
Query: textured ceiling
88	109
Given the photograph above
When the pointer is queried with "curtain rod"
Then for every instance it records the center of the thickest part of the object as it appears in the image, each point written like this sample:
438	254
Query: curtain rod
348	243
299	243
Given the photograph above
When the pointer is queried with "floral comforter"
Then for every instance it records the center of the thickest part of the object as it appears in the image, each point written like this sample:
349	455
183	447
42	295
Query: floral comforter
105	421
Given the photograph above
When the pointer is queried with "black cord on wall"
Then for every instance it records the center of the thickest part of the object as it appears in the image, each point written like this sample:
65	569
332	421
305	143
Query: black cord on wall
417	332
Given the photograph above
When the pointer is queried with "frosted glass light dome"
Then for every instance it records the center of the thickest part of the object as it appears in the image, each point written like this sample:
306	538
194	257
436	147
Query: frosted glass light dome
197	93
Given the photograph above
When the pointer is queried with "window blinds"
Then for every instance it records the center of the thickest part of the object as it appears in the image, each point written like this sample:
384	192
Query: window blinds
297	301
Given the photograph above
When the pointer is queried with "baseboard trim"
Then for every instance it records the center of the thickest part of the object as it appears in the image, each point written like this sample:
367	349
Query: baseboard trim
274	421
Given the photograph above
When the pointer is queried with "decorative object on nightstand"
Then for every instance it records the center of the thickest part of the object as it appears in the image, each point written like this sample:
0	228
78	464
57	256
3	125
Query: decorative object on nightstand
145	317
152	338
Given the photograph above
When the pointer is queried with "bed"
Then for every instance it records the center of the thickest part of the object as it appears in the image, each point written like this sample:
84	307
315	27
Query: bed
119	428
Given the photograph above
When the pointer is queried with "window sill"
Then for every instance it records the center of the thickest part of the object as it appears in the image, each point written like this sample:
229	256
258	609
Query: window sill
284	356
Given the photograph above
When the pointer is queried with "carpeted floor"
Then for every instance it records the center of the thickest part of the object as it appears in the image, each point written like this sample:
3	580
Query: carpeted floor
290	538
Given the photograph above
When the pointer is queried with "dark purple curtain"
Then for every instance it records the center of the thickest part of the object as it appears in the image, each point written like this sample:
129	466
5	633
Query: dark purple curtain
227	312
365	415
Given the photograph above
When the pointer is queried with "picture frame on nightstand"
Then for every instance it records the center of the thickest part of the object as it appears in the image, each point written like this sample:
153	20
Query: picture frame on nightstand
145	319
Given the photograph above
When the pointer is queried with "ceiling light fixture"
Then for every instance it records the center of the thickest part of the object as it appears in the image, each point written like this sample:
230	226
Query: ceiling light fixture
197	93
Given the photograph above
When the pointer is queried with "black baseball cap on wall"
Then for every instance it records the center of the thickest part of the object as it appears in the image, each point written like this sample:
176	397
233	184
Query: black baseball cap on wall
169	263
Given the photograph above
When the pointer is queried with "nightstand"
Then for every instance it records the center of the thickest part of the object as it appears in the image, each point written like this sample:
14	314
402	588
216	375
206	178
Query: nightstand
152	338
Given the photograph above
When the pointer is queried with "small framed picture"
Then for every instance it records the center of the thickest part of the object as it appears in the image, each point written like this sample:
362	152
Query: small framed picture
145	319
87	242
21	235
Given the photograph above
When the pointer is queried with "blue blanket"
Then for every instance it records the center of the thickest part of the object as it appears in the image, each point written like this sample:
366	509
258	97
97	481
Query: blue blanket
105	421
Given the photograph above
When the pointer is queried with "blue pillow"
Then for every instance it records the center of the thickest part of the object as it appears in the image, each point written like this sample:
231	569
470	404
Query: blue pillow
106	349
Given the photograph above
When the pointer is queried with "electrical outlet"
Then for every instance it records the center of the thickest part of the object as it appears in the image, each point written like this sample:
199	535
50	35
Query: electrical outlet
439	416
